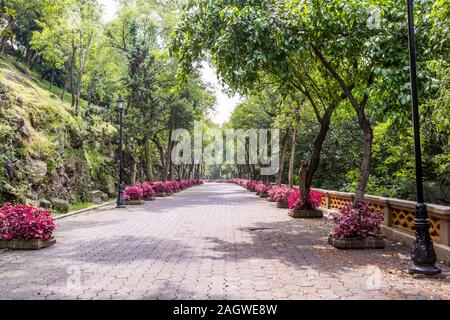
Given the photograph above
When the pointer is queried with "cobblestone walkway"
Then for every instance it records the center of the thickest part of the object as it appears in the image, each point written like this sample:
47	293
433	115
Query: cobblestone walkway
214	241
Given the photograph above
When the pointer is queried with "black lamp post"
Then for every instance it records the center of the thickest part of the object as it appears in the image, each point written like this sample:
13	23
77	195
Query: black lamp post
120	196
423	254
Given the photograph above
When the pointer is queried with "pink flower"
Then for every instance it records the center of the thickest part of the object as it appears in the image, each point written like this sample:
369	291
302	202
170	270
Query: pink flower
133	193
158	186
25	222
251	185
261	188
280	193
356	221
147	189
315	198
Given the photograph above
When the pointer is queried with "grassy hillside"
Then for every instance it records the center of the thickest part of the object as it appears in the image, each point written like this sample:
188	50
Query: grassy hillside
48	156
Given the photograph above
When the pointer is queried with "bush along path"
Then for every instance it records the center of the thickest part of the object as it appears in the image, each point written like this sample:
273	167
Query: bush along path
354	227
29	228
148	191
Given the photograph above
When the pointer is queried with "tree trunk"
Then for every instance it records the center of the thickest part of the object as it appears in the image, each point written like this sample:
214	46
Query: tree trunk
303	178
133	173
293	147
148	161
282	157
52	79
71	67
363	122
2	44
365	163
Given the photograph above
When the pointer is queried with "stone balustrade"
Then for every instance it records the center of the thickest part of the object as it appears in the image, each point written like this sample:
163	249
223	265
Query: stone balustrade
399	218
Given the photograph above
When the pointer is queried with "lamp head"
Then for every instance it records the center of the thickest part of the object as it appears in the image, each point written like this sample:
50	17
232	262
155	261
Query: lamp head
120	103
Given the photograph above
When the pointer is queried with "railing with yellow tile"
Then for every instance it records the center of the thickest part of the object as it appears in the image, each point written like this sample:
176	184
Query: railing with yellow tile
398	214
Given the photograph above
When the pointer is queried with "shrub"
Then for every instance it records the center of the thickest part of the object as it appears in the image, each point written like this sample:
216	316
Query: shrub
261	188
183	184
147	190
356	221
158	186
315	198
251	185
282	194
133	193
25	222
168	186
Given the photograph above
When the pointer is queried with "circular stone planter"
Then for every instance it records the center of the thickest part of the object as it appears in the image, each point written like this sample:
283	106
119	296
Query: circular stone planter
263	195
134	202
26	244
161	194
282	205
371	242
313	213
270	199
149	198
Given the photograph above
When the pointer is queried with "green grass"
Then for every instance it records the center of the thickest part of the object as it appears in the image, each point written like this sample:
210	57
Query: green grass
81	205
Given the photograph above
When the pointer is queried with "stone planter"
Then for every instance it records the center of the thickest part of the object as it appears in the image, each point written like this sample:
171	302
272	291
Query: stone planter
134	202
22	244
149	198
313	213
270	199
161	194
371	242
263	195
282	205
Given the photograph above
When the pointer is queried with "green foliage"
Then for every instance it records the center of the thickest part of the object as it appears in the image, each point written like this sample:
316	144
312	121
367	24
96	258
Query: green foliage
80	205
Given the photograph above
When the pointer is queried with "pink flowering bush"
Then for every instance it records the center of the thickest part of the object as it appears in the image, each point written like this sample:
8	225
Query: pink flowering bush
175	185
168	186
251	185
315	198
261	188
133	193
358	221
147	190
241	182
183	184
158	186
25	222
272	191
282	193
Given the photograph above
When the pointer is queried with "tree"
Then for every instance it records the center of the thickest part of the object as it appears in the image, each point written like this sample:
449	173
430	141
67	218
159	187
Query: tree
251	42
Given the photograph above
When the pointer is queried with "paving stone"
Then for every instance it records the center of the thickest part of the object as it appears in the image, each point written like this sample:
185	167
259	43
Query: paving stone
197	244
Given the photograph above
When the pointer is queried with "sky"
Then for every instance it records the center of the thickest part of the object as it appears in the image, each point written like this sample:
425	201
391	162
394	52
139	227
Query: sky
224	104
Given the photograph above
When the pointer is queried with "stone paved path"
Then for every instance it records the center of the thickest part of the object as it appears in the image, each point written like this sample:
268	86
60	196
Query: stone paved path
204	243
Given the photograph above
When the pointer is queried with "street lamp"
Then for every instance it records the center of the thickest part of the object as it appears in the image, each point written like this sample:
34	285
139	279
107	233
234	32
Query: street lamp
423	254
120	196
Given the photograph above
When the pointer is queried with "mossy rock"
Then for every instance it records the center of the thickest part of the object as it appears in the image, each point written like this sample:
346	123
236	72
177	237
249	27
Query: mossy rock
62	206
